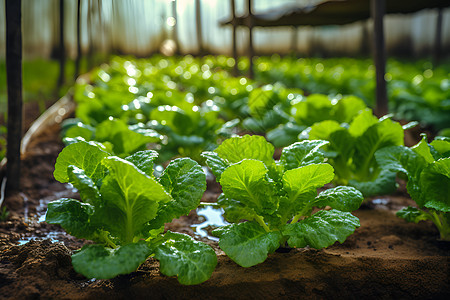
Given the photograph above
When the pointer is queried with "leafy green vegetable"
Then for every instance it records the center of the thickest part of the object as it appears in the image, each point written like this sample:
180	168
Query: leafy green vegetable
427	167
124	208
276	198
351	150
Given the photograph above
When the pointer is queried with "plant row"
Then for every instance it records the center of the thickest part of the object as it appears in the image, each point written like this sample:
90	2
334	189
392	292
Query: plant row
195	109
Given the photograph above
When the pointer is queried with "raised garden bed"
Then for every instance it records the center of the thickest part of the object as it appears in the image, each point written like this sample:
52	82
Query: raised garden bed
385	258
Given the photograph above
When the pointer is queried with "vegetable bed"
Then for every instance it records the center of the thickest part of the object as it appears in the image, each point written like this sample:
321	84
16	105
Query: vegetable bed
385	257
118	207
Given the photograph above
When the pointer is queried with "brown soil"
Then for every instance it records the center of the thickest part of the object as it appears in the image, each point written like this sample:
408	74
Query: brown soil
386	258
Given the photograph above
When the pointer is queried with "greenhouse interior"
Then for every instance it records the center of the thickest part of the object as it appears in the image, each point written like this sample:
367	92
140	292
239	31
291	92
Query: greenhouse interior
224	149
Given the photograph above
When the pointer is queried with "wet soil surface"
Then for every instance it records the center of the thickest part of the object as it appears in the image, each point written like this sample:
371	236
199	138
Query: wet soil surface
386	258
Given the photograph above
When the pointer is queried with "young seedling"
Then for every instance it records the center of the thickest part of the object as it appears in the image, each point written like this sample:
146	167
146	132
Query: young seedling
427	168
123	209
277	199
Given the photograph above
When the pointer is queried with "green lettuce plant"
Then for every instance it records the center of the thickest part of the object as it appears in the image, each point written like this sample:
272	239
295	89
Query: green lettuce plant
351	150
427	169
123	209
277	199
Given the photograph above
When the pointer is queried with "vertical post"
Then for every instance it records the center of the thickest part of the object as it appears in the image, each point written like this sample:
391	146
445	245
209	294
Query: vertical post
294	40
198	23
250	40
175	30
90	54
438	39
14	82
234	32
62	48
377	11
78	57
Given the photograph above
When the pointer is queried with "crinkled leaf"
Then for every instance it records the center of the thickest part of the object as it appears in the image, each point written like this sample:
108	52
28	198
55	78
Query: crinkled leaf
88	190
347	108
322	229
404	160
304	180
247	182
301	154
130	197
435	185
247	243
343	198
424	150
73	215
83	155
362	122
180	255
235	211
185	180
384	184
412	214
143	160
246	147
96	261
215	163
383	134
322	130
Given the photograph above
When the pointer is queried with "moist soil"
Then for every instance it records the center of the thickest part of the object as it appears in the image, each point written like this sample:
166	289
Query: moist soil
386	258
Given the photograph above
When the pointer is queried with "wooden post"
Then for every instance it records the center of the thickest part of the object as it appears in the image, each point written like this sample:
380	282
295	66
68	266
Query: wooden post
379	52
78	57
62	48
250	40
438	39
198	23
14	82
234	45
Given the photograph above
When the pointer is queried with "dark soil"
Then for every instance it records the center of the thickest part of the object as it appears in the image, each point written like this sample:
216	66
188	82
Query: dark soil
386	258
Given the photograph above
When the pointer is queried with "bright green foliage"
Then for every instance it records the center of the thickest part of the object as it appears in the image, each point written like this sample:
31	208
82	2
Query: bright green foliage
351	150
276	198
427	167
124	208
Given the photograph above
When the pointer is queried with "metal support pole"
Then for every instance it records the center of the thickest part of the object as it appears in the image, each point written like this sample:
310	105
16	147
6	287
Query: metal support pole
234	49
377	11
14	82
251	52
62	48
78	58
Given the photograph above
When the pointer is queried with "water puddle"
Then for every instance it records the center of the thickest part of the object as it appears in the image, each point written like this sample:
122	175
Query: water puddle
214	218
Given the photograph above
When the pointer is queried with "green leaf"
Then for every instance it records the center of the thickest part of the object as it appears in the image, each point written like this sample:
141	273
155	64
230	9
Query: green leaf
384	184
260	100
315	108
347	108
247	182
143	160
175	118
301	154
362	122
343	198
424	150
180	255
215	163
130	197
322	130
322	229
235	211
96	261
284	134
246	147
83	155
247	244
412	214
442	145
308	178
185	180
404	160
435	185
80	130
383	134
124	140
88	190
73	216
